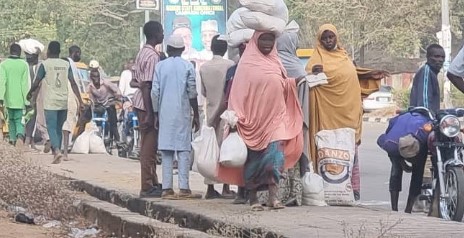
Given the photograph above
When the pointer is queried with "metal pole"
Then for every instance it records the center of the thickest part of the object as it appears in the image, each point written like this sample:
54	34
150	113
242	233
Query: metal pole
446	43
142	37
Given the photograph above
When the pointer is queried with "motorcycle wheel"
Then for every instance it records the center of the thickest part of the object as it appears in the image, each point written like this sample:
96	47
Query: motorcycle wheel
454	187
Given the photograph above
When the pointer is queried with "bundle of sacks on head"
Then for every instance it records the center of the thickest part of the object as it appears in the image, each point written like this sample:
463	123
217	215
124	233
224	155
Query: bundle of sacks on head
259	15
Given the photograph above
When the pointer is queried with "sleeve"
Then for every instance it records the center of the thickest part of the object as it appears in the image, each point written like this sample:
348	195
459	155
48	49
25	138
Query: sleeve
2	82
25	83
40	73
155	89
419	92
113	87
457	65
191	83
203	88
150	66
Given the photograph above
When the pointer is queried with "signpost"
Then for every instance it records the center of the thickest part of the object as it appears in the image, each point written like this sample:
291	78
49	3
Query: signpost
147	5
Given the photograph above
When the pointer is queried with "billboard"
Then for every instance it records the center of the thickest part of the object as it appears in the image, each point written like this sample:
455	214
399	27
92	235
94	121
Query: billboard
197	21
148	4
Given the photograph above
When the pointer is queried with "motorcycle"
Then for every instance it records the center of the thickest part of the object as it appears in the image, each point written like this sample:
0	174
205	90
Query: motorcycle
445	195
129	129
100	117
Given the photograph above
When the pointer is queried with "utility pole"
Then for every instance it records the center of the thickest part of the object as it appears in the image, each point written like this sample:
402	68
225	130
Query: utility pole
445	40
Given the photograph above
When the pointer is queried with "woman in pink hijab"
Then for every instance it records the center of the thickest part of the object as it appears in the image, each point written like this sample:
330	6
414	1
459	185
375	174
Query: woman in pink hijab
270	120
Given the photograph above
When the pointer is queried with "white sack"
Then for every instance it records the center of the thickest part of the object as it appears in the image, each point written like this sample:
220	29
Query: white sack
292	27
313	189
276	8
97	145
81	145
235	23
262	22
31	46
335	152
236	38
206	153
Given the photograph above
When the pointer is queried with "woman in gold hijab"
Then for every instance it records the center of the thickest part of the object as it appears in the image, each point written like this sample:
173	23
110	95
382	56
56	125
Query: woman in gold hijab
338	104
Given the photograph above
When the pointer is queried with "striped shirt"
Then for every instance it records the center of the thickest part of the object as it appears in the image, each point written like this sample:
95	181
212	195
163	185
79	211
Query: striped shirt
144	68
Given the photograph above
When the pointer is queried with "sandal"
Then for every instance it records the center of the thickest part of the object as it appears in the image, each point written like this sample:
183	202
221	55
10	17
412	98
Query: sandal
276	206
257	207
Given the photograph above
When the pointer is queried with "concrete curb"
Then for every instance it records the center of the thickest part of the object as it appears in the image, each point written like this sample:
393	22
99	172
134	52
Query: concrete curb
123	223
168	213
376	119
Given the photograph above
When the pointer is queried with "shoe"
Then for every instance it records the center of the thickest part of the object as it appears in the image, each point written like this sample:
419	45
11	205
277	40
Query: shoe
187	194
169	194
154	192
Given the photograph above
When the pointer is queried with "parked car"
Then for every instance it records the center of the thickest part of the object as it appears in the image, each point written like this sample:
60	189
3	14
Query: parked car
379	100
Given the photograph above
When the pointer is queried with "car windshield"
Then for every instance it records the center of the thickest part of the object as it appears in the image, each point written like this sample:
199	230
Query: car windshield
385	89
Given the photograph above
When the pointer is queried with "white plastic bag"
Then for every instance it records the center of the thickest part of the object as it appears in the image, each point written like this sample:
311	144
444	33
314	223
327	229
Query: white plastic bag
81	145
97	145
276	8
206	152
233	149
262	22
335	151
313	188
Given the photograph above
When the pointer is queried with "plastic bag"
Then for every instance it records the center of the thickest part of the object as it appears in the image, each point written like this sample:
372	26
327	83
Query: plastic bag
97	145
313	188
276	8
206	152
262	22
233	149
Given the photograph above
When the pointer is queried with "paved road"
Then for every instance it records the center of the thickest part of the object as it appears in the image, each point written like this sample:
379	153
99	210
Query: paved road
375	170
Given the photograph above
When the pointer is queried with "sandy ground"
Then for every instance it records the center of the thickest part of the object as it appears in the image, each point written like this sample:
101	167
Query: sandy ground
10	229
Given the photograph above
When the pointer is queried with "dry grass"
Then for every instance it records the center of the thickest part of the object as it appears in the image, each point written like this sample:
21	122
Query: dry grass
25	184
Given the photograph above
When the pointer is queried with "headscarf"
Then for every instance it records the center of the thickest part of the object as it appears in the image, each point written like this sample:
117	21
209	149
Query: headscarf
264	99
338	103
266	104
287	43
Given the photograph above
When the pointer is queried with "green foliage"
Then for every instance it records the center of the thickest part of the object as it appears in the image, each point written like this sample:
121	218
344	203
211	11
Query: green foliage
401	97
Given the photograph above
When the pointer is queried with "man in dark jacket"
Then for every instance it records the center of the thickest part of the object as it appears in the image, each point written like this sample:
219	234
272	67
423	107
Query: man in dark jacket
425	90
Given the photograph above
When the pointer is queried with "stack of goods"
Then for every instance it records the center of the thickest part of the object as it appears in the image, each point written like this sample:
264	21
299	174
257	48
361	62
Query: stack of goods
259	15
31	46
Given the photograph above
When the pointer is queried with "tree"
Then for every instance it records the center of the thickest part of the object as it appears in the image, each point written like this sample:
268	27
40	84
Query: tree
398	26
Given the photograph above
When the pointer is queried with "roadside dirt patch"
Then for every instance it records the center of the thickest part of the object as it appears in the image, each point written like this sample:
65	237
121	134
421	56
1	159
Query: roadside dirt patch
11	229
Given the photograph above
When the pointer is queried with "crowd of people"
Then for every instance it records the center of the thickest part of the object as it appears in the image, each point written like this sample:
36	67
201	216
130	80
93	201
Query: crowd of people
277	118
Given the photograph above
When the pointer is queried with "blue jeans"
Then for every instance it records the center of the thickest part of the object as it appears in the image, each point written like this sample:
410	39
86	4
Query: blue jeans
183	158
55	120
